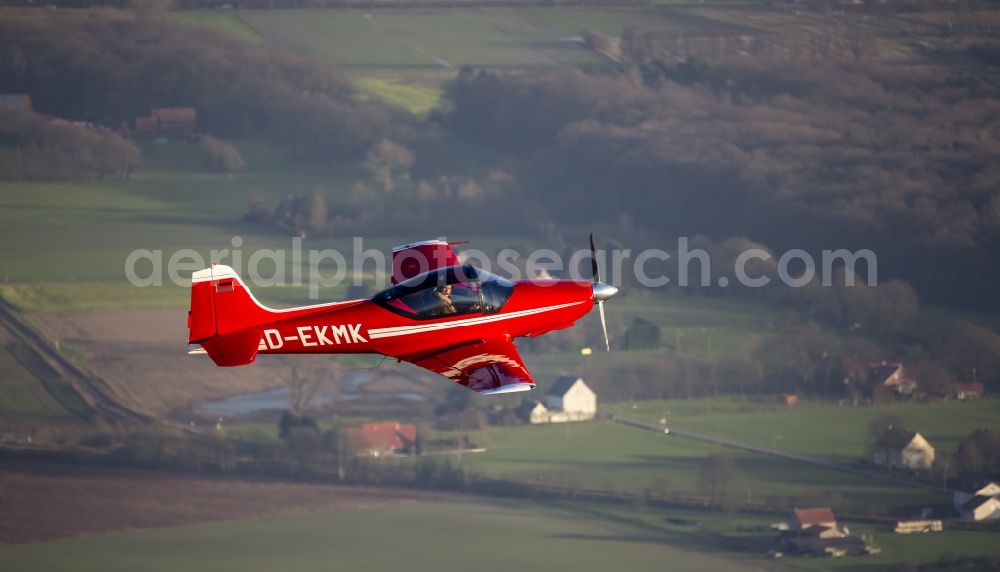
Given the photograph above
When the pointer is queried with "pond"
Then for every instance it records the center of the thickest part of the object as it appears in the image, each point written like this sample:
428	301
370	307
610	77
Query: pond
347	389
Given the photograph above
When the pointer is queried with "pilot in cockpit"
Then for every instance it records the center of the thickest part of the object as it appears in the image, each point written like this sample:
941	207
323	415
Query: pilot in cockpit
446	306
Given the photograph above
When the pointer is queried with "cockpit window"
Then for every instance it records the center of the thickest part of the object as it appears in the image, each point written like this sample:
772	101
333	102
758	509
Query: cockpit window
451	291
496	290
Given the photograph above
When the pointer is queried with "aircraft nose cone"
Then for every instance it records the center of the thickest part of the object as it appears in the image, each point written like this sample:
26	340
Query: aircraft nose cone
603	291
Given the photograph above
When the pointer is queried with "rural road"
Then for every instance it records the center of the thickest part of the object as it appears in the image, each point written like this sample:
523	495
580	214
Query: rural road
93	390
881	475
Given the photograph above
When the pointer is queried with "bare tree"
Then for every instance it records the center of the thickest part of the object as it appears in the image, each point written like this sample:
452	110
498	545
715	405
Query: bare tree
302	388
389	163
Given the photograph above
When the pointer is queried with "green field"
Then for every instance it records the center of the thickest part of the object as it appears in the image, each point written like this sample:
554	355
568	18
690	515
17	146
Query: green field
480	533
438	41
607	456
405	56
64	245
32	396
441	536
819	429
415	41
222	22
751	535
417	99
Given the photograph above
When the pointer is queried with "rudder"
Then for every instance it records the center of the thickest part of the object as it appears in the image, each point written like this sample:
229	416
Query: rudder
223	316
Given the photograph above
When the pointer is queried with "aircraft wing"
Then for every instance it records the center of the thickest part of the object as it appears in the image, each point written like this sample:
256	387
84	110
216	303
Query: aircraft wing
486	366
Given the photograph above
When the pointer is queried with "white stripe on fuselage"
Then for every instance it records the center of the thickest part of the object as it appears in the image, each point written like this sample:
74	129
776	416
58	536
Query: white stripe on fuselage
423	328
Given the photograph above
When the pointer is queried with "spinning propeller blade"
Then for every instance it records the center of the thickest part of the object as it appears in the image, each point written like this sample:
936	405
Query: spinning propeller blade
602	291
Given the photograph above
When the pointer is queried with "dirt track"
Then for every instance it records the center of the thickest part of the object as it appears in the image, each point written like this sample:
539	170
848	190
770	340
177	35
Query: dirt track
139	357
50	366
142	356
39	503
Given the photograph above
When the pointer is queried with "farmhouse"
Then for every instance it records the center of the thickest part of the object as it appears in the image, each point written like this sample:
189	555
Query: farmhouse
898	448
889	378
815	531
818	522
170	121
980	503
981	508
788	399
569	399
178	120
968	390
382	439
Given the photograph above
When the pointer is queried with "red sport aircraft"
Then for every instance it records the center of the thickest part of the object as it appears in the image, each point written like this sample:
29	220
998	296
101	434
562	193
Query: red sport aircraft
451	318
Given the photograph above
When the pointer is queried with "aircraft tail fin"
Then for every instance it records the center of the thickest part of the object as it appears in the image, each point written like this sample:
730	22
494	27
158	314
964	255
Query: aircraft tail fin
223	315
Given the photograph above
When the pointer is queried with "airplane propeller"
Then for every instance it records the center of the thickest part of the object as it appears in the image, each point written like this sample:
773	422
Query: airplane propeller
602	291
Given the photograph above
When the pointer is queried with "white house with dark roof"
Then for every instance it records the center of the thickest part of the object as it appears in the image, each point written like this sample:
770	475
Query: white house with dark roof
891	376
981	507
569	399
898	448
981	503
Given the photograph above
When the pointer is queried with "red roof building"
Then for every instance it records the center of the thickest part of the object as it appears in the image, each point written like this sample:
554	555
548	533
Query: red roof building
788	399
384	438
968	390
805	518
168	121
817	523
174	117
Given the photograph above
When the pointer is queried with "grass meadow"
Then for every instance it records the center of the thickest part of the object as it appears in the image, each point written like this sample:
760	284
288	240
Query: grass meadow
607	456
405	56
752	535
441	536
820	429
473	532
65	244
26	397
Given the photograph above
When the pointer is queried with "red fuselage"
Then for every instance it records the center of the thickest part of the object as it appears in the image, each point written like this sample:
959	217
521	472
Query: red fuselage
456	321
362	326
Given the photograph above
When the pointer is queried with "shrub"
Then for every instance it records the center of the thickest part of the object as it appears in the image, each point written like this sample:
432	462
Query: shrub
221	156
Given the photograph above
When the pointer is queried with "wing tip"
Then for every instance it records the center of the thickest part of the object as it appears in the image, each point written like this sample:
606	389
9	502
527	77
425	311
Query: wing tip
509	388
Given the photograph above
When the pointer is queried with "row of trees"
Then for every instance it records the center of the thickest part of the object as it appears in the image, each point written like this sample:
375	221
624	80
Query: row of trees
979	454
110	66
33	147
798	356
824	155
